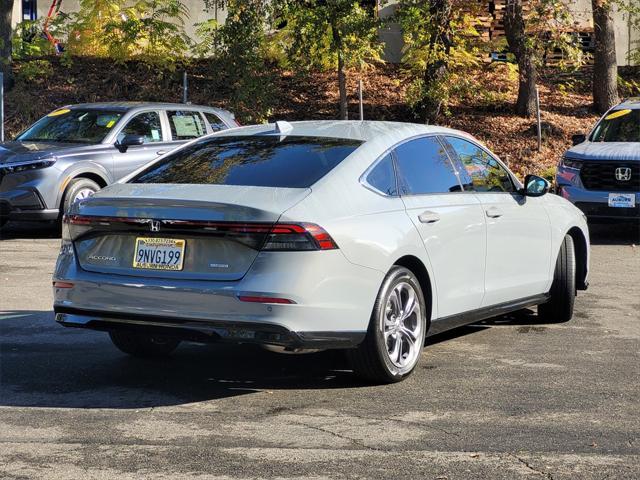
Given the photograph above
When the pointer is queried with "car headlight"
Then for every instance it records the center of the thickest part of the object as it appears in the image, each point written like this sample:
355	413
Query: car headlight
24	166
569	162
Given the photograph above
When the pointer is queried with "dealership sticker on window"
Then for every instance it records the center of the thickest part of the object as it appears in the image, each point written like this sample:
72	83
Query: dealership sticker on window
622	200
62	111
618	113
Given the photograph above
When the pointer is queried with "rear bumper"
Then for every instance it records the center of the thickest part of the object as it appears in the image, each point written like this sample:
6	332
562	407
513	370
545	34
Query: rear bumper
206	331
333	301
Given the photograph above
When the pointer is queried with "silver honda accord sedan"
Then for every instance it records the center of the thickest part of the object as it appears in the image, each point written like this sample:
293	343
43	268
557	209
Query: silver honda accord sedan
365	236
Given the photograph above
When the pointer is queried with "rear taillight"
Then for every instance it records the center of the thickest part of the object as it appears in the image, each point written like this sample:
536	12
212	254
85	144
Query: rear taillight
259	236
74	225
298	236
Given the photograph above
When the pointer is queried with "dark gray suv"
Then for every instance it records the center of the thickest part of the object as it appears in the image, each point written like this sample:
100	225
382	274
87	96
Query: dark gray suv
78	149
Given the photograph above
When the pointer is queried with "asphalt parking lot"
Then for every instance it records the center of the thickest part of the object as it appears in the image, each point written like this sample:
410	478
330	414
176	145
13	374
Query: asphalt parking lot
509	398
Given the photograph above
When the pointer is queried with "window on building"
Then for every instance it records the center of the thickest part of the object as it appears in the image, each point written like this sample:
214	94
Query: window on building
29	9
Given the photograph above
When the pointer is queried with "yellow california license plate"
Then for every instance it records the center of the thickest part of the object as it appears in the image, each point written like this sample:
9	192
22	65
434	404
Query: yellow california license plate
159	253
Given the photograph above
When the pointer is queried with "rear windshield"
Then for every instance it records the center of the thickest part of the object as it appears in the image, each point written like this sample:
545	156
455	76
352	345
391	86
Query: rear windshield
258	161
621	125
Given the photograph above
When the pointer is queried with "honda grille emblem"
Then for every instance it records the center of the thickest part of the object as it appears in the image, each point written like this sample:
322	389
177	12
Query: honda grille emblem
623	174
155	226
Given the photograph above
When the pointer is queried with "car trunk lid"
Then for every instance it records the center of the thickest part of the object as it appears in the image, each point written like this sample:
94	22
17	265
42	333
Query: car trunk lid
215	231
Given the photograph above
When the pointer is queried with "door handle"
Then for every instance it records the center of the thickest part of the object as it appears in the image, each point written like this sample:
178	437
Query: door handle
494	212
428	217
161	152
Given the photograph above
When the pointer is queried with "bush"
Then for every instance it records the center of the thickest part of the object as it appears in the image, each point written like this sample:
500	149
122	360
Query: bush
36	71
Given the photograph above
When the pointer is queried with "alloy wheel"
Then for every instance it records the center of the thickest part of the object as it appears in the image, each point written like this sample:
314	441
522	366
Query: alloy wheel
402	327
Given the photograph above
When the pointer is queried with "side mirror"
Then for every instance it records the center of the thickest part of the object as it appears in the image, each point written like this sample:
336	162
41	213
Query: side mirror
534	186
129	141
578	138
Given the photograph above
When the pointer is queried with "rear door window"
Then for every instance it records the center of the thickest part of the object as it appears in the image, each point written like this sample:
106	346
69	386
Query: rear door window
214	122
146	124
186	125
261	161
483	172
424	167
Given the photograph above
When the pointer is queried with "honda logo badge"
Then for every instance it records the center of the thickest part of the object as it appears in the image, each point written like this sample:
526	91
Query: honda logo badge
155	225
623	174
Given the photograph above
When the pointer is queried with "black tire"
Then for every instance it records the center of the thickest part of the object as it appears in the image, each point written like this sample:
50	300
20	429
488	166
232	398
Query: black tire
559	308
75	186
371	359
143	345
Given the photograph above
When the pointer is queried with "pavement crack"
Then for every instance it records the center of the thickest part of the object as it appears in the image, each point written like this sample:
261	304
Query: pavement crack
392	419
530	467
338	435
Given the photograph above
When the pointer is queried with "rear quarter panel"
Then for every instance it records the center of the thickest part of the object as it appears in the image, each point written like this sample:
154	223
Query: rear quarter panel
370	229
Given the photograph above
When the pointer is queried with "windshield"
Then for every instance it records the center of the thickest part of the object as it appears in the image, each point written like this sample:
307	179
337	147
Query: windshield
618	126
72	126
259	161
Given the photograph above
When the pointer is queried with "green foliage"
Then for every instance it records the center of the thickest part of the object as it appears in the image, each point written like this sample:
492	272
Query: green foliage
36	71
450	46
631	8
334	34
148	30
317	33
28	40
629	87
207	33
240	50
548	26
549	173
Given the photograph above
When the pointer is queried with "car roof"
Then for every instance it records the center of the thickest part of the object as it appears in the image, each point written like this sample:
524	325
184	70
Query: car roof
347	129
632	103
126	106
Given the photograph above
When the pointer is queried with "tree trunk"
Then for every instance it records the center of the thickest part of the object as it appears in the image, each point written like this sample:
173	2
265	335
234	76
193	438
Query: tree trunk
342	86
605	68
435	72
6	9
342	77
515	31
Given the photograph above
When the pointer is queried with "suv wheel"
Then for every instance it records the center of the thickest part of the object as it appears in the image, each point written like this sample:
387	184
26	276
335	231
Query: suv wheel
78	189
143	345
559	308
396	332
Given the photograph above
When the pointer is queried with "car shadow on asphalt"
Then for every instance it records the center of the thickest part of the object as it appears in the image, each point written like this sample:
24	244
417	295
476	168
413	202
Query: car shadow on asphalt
29	230
615	233
45	365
